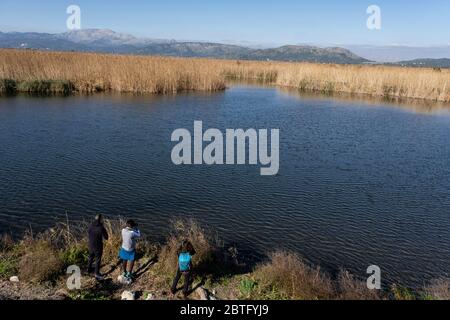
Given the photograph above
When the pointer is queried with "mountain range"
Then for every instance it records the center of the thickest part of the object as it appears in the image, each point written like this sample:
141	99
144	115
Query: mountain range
108	41
104	40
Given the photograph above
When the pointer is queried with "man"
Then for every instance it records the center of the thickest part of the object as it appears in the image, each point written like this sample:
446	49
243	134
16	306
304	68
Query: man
97	233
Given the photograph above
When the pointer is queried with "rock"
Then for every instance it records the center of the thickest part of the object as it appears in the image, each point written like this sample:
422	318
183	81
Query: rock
123	280
150	297
212	297
202	293
14	279
128	295
61	294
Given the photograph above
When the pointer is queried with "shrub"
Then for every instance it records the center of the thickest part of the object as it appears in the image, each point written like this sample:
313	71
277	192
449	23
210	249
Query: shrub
206	259
402	293
438	290
45	87
7	86
112	245
40	263
8	266
247	287
351	288
77	255
6	243
289	276
88	295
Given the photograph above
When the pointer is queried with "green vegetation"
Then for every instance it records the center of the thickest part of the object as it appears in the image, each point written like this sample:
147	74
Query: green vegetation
36	87
8	267
77	255
88	295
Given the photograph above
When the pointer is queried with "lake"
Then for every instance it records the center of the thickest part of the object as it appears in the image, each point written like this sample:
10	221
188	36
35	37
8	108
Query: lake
360	183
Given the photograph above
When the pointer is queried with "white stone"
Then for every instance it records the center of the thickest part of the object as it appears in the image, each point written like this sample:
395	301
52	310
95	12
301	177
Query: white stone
14	279
150	297
128	295
123	280
202	293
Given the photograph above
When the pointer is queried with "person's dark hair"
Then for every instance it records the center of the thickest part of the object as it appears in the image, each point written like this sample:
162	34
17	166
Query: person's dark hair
131	223
186	246
98	218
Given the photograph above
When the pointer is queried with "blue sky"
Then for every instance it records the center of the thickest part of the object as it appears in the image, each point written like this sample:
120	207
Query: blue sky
411	22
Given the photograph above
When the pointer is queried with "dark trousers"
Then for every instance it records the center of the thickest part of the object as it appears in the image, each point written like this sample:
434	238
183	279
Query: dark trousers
187	279
95	258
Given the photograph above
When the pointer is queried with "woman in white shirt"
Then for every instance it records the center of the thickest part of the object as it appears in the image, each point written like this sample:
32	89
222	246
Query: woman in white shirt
128	250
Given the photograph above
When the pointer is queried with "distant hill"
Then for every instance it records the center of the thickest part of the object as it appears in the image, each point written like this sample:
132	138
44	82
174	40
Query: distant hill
44	41
427	63
108	41
195	49
306	53
395	53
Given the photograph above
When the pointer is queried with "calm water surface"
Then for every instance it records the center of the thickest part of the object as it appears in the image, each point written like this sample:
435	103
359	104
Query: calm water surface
358	184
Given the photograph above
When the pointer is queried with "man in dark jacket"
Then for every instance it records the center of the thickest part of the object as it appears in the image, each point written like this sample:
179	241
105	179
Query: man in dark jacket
97	233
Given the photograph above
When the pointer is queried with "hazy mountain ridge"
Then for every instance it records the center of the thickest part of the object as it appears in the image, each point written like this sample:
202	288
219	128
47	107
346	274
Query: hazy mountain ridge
108	41
396	53
104	40
432	63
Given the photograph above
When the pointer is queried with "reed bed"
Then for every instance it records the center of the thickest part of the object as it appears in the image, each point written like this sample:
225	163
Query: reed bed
24	71
371	80
66	72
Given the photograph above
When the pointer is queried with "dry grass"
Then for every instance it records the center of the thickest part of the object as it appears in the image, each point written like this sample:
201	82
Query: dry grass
207	248
377	81
438	290
89	72
287	276
40	263
50	72
351	288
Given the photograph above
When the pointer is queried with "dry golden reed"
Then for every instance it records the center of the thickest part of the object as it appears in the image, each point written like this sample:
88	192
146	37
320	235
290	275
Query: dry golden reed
42	71
372	80
89	72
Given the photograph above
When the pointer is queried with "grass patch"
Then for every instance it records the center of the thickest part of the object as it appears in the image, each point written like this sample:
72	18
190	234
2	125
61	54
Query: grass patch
45	87
40	263
287	275
8	266
402	293
350	288
8	86
78	255
438	289
88	295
